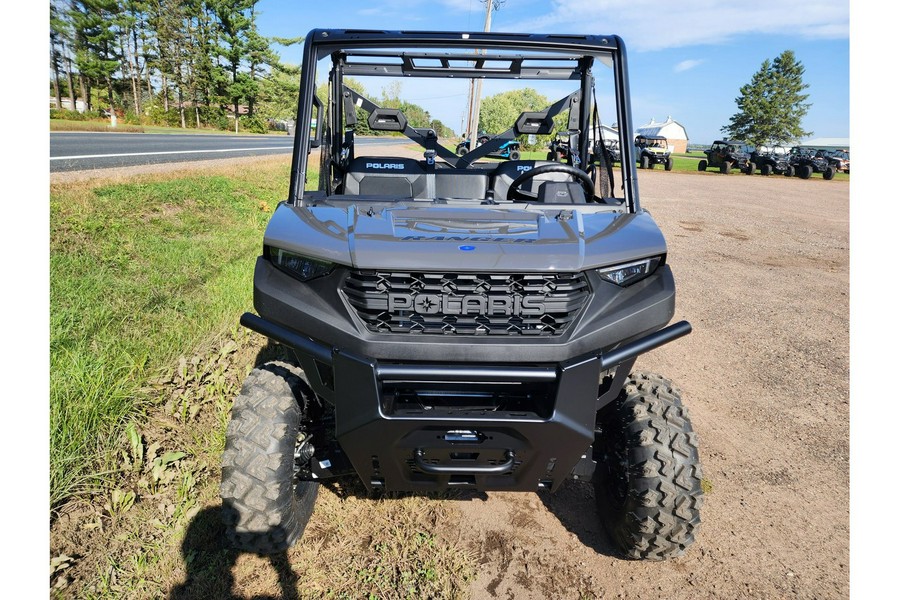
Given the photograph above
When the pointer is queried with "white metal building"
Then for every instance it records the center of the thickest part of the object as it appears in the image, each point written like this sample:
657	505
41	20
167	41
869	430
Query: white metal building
827	143
672	130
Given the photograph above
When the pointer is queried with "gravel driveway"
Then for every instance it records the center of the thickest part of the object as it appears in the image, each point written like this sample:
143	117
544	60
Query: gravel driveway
762	267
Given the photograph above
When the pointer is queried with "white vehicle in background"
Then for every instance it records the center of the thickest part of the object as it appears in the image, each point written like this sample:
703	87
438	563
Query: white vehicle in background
652	150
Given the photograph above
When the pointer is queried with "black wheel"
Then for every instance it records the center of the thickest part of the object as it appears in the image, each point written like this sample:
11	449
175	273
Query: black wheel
725	168
765	170
669	164
551	156
647	481
264	508
828	175
645	162
751	169
701	166
805	172
789	172
514	155
461	149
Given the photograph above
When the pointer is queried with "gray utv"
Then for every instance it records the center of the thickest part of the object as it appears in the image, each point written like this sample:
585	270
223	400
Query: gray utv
459	323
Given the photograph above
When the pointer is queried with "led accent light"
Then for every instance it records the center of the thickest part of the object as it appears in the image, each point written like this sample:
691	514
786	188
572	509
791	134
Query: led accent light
300	267
628	273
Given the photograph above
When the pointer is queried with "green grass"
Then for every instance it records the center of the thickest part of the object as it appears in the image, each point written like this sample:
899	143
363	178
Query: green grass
65	125
139	273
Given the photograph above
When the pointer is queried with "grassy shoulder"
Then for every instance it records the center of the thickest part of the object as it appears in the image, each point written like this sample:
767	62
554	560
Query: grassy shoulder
140	271
64	125
95	126
148	277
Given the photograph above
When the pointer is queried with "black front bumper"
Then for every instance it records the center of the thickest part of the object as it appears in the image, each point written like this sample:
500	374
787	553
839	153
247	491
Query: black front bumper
414	426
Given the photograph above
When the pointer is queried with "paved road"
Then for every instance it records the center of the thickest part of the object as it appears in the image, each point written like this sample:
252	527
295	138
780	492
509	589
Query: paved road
76	151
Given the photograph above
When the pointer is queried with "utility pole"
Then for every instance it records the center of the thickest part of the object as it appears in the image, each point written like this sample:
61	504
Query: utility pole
475	84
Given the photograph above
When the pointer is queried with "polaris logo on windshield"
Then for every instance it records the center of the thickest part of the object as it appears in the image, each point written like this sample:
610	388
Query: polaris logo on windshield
397	166
522	168
432	304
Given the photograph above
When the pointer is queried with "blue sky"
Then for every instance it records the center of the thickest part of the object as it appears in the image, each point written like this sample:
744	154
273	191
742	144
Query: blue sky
687	61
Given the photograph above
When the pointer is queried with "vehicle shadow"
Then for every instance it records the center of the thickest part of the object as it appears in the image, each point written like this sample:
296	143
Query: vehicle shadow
349	486
573	504
576	508
209	563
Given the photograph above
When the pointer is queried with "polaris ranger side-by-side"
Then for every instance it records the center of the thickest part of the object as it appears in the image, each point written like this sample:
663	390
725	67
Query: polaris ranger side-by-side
460	323
652	150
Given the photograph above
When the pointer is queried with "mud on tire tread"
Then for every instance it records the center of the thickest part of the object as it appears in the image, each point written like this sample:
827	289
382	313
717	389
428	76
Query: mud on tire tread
660	513
262	511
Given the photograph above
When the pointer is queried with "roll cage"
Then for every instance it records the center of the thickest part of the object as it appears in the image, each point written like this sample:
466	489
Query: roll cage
426	54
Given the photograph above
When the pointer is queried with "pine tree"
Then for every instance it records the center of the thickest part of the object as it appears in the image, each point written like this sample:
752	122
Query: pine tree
95	24
57	34
772	106
233	27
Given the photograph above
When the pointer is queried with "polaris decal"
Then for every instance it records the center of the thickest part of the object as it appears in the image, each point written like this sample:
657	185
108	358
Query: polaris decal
394	166
465	238
431	304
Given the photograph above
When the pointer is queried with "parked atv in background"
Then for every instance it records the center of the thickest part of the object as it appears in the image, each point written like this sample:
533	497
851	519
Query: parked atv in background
728	155
559	150
807	161
652	150
773	160
510	150
615	153
840	160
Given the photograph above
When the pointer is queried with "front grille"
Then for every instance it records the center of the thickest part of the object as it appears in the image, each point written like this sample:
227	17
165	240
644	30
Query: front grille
467	303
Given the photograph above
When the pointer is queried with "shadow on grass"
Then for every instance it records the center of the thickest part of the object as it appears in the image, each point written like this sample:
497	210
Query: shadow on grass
209	563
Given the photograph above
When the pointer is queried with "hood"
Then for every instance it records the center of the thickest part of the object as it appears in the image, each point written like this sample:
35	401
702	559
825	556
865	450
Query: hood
464	239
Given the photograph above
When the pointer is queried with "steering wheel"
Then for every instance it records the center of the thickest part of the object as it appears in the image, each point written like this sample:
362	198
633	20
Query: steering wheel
513	193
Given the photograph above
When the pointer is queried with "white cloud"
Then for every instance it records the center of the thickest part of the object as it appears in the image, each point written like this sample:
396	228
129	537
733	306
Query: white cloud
687	65
645	26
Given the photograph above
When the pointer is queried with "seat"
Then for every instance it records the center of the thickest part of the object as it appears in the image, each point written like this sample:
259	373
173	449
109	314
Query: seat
460	183
385	176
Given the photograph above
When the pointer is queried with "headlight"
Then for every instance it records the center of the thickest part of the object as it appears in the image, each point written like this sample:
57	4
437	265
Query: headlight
301	267
630	272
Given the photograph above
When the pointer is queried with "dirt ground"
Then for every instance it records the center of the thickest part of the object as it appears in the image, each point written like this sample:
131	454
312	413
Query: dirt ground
762	268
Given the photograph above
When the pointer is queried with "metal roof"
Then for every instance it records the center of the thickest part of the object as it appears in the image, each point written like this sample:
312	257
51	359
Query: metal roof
655	128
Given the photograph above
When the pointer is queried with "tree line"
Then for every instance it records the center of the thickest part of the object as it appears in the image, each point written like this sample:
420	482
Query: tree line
185	63
416	115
